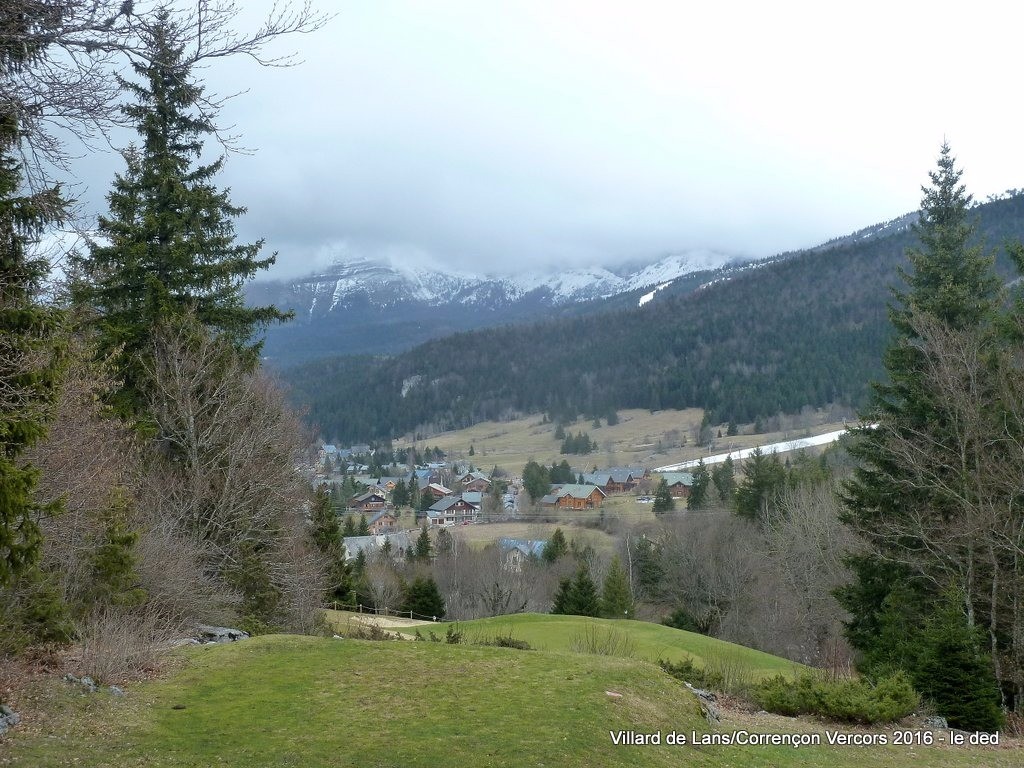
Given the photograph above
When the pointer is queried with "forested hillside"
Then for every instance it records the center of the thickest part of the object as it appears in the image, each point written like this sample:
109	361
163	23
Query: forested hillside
806	329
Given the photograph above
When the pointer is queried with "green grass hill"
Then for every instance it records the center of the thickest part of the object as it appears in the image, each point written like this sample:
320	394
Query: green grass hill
303	701
634	639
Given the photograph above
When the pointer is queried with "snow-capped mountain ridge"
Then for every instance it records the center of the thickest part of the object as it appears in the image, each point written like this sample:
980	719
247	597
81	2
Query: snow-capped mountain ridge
379	284
364	306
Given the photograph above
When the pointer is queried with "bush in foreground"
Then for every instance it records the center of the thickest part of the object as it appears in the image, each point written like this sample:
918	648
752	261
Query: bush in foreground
848	700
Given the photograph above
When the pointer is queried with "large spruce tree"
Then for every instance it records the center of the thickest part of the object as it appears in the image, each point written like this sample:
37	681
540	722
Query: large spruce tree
168	245
950	285
29	338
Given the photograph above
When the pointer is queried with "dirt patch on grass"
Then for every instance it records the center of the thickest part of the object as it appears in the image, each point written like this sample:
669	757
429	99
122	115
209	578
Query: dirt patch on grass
395	626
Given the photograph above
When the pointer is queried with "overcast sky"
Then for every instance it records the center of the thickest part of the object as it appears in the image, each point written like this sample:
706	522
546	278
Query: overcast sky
499	136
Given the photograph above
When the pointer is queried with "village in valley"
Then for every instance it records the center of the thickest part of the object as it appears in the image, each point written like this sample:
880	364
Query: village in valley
605	498
545	411
383	512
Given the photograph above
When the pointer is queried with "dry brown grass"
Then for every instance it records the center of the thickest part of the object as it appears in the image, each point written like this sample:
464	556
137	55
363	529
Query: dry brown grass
640	438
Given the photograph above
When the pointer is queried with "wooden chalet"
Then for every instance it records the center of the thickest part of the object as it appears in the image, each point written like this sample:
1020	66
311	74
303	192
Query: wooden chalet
616	479
574	496
382	522
475	481
437	490
478	485
679	483
371	501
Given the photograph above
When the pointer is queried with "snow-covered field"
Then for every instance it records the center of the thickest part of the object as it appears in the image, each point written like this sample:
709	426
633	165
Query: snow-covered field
783	447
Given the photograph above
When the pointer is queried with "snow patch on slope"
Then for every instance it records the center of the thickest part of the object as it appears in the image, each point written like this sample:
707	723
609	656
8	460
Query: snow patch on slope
648	296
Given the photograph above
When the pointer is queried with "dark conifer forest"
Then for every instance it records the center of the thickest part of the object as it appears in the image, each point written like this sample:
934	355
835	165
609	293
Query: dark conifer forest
806	328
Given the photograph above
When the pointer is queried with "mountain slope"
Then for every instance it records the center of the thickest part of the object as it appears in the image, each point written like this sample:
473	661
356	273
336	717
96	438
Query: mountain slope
364	306
801	329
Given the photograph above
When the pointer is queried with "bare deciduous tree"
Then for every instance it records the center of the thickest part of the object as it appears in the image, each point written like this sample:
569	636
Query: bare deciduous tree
225	474
974	464
765	587
806	544
385	586
70	86
83	460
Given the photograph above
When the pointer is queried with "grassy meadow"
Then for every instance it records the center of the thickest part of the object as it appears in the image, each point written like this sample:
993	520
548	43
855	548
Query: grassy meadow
640	438
304	701
631	639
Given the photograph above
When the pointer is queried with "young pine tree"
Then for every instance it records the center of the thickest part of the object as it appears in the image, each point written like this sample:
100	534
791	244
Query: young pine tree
326	534
616	596
585	600
955	672
536	480
577	596
648	569
556	547
414	493
423	598
113	578
663	501
764	478
423	545
700	489
561	604
723	477
400	496
168	245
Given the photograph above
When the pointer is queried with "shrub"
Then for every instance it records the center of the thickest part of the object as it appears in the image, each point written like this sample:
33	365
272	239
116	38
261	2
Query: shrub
727	672
118	643
848	700
33	612
356	630
506	641
688	672
680	618
954	672
603	642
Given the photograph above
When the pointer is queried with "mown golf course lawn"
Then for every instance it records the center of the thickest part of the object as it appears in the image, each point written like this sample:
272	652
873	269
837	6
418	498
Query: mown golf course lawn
642	639
302	701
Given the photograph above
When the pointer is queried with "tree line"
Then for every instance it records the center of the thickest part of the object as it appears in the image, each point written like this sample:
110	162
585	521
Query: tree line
147	466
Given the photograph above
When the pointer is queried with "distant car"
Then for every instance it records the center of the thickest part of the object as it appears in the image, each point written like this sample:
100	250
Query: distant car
645	499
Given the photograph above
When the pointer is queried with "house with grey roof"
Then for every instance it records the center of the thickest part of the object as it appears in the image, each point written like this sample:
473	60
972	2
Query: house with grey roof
384	521
517	551
616	479
372	501
679	483
372	546
452	510
574	496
